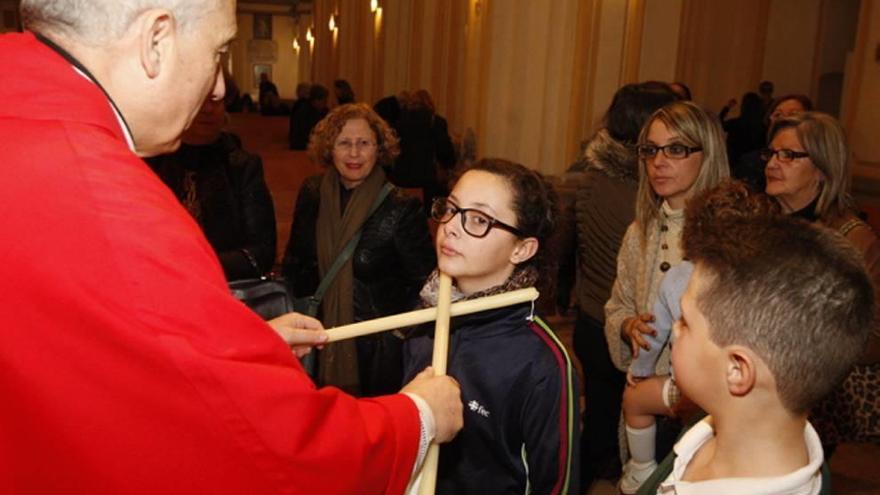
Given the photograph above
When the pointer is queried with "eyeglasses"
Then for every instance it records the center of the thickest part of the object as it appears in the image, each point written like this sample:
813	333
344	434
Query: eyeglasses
474	222
674	150
783	155
359	144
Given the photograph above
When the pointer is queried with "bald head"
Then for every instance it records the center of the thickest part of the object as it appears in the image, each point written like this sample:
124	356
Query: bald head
157	59
95	22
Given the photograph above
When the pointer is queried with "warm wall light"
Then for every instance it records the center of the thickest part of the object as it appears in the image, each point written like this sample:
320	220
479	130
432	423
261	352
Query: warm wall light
374	4
296	45
310	38
332	23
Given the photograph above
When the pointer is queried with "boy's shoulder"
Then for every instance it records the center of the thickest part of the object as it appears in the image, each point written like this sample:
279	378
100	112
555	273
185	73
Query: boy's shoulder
812	479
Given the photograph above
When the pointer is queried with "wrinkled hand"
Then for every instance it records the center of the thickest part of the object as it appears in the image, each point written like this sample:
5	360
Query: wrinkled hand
443	396
301	332
634	327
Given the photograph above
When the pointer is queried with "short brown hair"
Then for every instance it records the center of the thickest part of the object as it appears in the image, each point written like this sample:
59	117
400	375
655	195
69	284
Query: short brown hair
794	293
323	137
706	212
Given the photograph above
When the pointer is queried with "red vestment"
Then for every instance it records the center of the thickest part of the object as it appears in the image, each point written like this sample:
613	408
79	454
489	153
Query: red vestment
125	365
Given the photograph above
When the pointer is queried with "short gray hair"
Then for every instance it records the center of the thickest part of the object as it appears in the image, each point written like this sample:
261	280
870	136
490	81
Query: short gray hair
97	21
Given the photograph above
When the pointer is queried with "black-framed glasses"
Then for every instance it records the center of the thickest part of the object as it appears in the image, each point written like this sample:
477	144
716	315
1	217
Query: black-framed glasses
474	222
783	155
673	150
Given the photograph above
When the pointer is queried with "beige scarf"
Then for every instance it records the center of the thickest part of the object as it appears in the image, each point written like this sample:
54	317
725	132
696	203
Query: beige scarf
338	364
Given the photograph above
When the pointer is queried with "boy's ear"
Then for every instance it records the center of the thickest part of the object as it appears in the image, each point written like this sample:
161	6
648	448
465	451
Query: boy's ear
156	38
524	250
741	372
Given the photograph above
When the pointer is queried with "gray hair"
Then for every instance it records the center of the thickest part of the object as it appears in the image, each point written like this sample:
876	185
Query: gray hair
94	22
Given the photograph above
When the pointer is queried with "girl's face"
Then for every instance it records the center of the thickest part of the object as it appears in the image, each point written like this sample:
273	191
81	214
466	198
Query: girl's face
475	263
671	178
795	183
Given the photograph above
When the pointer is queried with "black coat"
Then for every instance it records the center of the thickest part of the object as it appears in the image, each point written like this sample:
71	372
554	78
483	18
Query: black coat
391	262
235	209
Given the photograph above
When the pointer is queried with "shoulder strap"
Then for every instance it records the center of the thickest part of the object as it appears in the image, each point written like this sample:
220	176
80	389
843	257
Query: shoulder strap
849	225
348	250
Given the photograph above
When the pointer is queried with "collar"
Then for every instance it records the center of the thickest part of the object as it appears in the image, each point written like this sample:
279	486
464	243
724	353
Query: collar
81	70
803	481
808	212
669	213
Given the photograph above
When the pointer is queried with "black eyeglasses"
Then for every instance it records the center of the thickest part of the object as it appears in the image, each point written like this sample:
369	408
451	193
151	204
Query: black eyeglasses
474	222
783	155
674	150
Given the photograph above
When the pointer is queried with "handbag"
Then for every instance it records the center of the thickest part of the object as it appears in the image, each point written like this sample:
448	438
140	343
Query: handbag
267	296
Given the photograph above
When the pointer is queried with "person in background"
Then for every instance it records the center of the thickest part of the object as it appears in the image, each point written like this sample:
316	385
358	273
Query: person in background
606	182
747	131
520	433
302	99
787	106
343	92
307	117
270	100
750	166
389	263
426	151
765	91
221	185
681	152
389	109
682	90
158	380
809	169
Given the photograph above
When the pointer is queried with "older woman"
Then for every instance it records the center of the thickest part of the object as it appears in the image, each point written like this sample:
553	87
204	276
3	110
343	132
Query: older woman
808	172
681	152
750	166
390	263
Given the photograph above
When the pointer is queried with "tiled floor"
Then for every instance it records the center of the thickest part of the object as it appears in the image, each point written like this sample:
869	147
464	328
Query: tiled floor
855	468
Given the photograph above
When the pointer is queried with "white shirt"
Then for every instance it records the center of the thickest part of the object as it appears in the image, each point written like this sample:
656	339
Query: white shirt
804	481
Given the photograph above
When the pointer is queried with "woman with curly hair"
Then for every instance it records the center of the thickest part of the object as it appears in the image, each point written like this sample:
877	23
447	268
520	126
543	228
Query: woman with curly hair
390	262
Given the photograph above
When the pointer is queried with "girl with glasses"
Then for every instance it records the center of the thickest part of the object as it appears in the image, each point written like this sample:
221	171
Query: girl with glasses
681	152
517	382
808	173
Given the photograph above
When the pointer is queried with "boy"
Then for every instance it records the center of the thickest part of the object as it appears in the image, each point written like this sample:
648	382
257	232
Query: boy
775	314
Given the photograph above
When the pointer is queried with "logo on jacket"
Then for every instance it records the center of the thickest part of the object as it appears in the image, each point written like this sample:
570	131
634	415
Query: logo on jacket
478	408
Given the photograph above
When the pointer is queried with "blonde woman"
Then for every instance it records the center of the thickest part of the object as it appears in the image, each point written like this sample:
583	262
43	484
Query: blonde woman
681	152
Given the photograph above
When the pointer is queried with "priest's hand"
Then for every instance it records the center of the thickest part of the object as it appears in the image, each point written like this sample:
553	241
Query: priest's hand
301	332
443	396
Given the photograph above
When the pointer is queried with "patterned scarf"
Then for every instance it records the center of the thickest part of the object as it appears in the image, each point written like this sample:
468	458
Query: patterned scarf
519	279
